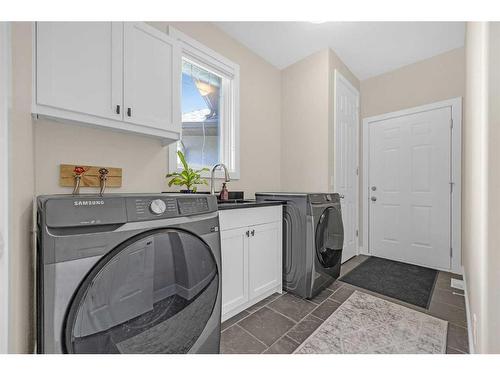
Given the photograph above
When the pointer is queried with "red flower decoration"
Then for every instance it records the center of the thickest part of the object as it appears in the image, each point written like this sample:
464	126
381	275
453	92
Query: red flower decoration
79	170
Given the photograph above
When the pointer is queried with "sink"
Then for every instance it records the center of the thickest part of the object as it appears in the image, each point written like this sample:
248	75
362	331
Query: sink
236	201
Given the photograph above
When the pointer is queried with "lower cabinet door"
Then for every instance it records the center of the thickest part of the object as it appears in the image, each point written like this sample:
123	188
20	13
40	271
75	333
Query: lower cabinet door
234	245
264	258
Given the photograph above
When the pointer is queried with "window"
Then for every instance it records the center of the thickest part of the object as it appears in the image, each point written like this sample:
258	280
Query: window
209	106
201	137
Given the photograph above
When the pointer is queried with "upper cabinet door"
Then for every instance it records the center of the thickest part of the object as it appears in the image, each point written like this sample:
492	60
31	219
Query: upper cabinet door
152	72
79	67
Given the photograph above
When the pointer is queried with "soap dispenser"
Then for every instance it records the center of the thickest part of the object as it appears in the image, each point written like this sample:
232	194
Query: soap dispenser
224	193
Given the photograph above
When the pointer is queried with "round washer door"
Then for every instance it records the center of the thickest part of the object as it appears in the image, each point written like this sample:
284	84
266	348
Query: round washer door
329	237
154	293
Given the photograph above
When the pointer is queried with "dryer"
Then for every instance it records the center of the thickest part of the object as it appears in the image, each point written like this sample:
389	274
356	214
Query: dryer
313	238
128	273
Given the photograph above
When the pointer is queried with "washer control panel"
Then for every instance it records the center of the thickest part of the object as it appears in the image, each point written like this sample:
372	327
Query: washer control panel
168	206
190	206
158	206
144	208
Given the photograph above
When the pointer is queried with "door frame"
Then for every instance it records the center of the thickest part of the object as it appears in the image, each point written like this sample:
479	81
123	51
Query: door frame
5	104
456	173
338	77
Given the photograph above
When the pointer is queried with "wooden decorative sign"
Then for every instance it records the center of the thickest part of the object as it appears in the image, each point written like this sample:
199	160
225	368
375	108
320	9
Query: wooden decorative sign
90	176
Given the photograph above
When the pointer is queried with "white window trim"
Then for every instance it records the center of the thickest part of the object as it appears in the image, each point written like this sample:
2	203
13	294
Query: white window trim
204	56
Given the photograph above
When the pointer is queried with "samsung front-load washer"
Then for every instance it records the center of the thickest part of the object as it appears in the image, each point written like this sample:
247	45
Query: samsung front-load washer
128	274
313	238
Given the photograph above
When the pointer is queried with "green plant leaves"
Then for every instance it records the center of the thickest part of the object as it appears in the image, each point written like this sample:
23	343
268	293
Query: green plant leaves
183	159
188	177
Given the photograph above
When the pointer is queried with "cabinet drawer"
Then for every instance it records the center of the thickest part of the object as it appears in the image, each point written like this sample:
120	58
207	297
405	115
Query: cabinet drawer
246	217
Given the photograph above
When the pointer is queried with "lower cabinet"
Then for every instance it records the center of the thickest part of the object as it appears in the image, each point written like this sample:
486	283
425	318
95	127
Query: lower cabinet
264	259
251	257
234	247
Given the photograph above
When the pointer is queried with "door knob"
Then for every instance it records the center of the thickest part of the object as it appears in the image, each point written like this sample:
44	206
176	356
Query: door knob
374	188
341	196
373	199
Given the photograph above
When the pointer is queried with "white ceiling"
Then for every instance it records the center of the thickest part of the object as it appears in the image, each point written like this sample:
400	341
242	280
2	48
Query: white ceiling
367	48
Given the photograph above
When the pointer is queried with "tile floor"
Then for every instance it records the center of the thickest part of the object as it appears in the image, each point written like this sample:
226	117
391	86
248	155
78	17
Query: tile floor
281	322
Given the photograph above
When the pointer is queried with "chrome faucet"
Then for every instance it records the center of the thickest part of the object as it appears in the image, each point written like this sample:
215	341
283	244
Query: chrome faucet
212	176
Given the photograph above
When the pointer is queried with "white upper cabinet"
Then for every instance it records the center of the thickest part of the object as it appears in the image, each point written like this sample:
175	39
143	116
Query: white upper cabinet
152	72
123	76
79	66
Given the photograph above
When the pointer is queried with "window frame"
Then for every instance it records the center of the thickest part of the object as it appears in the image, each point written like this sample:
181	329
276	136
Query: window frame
196	52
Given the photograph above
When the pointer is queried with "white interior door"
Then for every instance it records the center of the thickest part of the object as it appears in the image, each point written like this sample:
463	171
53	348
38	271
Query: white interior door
409	182
345	179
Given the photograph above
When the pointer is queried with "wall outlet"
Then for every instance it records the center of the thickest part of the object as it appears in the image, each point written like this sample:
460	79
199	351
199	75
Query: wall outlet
474	330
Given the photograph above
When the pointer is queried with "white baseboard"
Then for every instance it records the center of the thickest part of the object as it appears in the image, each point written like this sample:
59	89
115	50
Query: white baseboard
468	314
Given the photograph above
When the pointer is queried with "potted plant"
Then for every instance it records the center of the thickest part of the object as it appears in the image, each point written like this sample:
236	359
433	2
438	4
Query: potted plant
188	177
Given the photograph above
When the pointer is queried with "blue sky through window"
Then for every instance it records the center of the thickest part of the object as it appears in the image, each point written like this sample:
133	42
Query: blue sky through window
191	98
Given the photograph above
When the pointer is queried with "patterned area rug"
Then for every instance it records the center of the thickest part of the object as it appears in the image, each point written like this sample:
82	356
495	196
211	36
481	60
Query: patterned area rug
368	324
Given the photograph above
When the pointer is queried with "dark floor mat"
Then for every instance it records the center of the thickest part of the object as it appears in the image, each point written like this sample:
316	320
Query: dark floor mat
405	282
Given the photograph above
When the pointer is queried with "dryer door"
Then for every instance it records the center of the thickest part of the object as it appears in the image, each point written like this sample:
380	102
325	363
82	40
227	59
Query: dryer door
154	293
329	237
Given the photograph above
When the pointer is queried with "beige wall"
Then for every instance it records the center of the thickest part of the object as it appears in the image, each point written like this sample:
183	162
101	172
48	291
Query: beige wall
493	259
304	133
307	94
22	187
45	144
481	184
437	78
5	94
473	174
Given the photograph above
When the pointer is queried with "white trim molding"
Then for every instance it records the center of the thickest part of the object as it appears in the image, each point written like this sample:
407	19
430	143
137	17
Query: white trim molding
456	173
5	104
205	57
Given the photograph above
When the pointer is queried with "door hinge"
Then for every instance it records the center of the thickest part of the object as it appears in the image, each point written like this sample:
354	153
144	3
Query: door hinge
357	171
451	252
357	233
451	186
451	123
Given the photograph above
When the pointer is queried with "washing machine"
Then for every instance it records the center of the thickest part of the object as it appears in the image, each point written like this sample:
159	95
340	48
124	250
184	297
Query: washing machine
128	274
313	238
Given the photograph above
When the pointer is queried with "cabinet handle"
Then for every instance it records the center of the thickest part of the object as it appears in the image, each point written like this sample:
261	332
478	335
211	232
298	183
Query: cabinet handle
247	233
129	112
253	232
118	109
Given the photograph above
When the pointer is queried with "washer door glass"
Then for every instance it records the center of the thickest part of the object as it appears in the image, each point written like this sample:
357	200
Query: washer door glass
153	293
329	237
